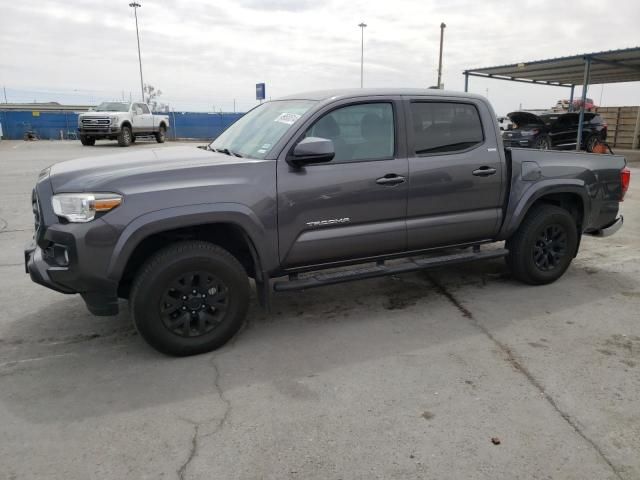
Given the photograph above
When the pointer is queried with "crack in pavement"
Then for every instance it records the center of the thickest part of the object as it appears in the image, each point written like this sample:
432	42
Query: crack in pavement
71	339
518	366
193	451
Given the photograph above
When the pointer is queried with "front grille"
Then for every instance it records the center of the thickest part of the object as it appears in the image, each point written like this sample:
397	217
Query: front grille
95	121
35	207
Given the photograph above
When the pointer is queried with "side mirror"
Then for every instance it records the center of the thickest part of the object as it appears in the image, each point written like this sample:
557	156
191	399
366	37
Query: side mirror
312	150
138	111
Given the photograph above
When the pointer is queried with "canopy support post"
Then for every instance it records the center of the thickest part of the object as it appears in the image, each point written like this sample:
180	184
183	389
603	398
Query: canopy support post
571	98
466	81
585	85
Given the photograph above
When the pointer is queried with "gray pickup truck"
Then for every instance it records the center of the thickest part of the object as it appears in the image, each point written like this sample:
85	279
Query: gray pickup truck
375	182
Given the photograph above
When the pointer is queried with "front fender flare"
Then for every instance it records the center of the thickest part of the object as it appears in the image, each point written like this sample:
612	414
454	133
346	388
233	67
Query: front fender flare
190	215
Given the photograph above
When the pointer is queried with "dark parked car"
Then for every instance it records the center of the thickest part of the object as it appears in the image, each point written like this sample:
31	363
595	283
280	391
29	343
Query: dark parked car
554	130
307	183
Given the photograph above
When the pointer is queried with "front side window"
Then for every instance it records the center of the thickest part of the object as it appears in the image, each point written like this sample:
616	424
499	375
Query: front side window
445	127
359	132
145	108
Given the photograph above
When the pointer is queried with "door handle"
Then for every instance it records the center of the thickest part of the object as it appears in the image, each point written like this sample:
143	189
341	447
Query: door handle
390	179
484	171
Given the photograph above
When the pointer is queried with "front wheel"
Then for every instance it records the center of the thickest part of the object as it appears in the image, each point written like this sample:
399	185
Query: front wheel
125	136
544	245
189	298
161	134
87	141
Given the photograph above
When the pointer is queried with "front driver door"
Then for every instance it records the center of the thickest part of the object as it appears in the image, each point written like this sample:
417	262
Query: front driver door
355	205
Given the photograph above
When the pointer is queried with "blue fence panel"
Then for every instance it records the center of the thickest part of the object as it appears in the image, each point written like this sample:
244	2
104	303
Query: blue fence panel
47	125
200	125
56	125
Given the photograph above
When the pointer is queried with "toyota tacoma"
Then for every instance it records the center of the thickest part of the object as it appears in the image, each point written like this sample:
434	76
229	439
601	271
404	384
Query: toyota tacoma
310	190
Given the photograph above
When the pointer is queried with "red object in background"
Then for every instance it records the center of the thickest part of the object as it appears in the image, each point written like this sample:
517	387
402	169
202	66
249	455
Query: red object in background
588	104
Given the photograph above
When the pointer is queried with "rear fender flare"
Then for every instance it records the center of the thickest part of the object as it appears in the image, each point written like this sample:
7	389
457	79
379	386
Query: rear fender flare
515	215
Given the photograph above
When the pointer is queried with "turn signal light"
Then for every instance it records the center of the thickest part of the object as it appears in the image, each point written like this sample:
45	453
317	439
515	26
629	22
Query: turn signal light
625	179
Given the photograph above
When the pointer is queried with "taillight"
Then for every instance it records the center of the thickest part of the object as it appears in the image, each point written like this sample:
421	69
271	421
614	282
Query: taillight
625	179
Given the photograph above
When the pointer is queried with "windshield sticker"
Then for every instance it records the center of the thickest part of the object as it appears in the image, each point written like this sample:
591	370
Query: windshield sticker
262	150
288	118
265	146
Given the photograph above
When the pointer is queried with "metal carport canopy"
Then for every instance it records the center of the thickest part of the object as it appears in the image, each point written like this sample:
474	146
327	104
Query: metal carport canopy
612	66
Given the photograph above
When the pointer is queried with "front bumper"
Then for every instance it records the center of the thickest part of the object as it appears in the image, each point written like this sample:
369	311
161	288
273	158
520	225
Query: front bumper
41	267
99	130
609	229
38	269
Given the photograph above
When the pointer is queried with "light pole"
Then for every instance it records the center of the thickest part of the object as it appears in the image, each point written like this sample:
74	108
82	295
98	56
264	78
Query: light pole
442	27
135	6
362	26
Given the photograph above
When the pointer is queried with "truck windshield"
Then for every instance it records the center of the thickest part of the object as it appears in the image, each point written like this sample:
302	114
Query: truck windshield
113	107
254	134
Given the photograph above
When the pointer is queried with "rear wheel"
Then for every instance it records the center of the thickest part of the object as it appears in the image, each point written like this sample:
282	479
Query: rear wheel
161	134
542	143
87	141
592	141
189	298
544	245
124	139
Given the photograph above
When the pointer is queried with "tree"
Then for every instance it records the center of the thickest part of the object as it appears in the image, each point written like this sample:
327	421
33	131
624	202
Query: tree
152	97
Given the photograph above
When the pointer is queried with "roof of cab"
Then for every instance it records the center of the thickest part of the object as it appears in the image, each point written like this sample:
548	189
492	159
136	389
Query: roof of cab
372	92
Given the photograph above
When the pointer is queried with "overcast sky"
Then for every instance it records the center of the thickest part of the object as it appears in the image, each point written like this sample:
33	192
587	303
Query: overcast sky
203	54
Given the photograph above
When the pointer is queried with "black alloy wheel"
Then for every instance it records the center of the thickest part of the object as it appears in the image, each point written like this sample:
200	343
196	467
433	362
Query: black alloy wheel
550	247
194	304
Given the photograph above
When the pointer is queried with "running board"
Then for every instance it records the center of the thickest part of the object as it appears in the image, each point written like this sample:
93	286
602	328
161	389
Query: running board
380	270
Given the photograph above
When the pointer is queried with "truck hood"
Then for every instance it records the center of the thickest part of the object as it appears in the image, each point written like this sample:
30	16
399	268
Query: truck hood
101	114
114	172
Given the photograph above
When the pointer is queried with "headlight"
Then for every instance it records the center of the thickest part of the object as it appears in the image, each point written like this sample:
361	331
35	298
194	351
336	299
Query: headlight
79	121
113	120
82	207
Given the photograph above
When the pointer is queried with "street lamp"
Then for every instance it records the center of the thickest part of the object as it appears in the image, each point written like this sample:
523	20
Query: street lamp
362	26
135	6
442	27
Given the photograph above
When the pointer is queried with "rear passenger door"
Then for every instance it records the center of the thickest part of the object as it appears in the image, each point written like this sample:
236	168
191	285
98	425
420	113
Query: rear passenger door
456	173
355	205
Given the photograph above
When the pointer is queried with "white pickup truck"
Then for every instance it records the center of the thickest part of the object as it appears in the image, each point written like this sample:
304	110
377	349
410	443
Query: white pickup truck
122	121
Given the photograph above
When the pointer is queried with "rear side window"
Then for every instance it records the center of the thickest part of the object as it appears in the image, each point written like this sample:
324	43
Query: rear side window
444	127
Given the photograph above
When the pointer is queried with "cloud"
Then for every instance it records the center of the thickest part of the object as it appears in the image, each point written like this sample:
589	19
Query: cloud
202	53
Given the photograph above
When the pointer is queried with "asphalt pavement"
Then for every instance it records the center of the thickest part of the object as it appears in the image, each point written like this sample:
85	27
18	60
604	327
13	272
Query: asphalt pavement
459	373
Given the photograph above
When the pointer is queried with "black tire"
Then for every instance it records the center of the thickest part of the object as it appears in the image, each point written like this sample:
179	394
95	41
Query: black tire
161	134
591	143
125	136
87	141
544	245
164	286
542	143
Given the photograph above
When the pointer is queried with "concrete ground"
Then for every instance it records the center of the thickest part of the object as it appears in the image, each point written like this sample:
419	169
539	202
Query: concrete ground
404	377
